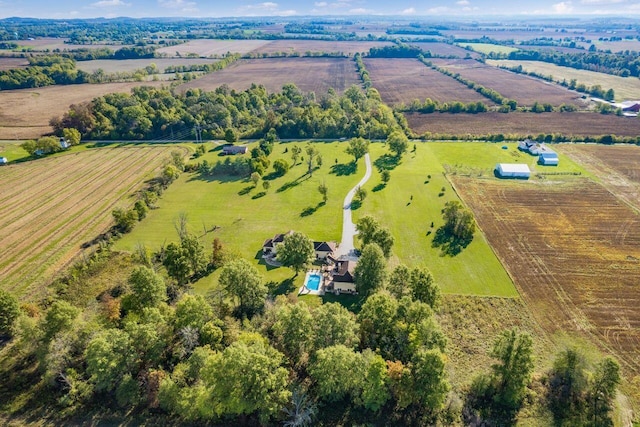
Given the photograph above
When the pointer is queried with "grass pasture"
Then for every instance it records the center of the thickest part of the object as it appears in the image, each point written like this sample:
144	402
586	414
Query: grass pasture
51	208
44	44
444	49
25	113
403	80
487	48
211	48
573	250
12	151
624	87
524	89
128	65
411	202
309	75
569	124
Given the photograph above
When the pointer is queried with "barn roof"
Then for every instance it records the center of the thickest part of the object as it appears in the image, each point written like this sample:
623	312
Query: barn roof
514	167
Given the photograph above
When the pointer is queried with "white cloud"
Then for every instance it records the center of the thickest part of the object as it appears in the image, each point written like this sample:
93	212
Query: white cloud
359	11
321	4
438	10
463	3
409	11
562	8
109	3
289	12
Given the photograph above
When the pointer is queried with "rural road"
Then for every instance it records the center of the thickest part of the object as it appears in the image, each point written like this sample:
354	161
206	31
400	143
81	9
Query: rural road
348	227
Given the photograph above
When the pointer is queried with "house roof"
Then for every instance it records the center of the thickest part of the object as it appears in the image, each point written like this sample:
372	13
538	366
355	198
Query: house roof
324	246
278	238
549	155
235	149
345	271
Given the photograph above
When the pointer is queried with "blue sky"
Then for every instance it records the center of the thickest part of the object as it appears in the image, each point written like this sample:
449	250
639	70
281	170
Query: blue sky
201	8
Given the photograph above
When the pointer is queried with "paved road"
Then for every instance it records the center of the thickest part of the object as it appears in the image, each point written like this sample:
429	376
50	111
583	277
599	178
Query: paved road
348	227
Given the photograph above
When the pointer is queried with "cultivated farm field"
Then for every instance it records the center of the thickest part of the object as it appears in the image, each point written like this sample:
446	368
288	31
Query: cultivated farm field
524	89
488	48
209	47
309	74
51	43
444	49
578	124
573	250
403	80
25	113
624	87
302	46
11	63
51	207
126	65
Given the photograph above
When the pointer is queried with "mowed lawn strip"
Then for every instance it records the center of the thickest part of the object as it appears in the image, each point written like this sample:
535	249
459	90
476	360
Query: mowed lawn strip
243	222
409	204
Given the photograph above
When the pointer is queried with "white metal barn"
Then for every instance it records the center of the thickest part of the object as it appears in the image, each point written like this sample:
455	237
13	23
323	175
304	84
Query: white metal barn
513	170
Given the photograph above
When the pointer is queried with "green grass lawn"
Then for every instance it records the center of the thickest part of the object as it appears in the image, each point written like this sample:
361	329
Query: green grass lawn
12	150
244	222
487	48
624	87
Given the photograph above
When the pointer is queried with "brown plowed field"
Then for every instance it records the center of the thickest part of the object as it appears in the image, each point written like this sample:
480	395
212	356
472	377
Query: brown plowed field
573	251
50	207
309	74
524	89
10	63
25	113
302	46
576	124
403	80
618	167
209	47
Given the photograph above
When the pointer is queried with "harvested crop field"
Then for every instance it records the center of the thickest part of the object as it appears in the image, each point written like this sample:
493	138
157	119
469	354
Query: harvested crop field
519	124
51	43
573	250
209	47
11	63
50	208
126	65
308	74
25	113
444	49
524	89
617	166
403	80
302	46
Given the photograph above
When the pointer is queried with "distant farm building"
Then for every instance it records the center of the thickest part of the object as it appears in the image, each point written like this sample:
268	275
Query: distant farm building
234	149
548	159
3	161
64	144
628	106
546	156
513	170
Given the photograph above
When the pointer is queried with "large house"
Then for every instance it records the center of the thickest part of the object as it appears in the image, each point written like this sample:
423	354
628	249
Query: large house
324	250
269	247
342	277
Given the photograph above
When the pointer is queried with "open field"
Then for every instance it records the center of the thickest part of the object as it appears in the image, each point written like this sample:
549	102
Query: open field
573	250
51	207
624	87
302	46
562	49
309	74
618	45
25	113
12	151
208	47
487	48
125	65
444	49
10	63
617	167
43	44
412	200
403	80
580	124
524	89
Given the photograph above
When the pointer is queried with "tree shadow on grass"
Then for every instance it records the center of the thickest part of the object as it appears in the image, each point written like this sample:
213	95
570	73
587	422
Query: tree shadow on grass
311	209
283	288
355	205
379	187
448	243
294	183
343	169
353	303
258	195
386	162
246	190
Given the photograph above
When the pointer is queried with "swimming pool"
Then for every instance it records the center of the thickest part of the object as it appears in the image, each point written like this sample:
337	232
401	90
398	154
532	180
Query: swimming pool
312	282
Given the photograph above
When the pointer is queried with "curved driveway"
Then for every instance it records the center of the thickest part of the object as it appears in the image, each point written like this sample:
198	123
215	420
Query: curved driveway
346	246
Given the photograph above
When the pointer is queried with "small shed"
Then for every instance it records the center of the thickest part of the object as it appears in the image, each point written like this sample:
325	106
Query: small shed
64	144
235	149
513	170
549	159
3	161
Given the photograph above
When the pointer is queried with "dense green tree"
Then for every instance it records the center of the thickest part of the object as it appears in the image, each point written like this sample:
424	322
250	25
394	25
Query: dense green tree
333	325
9	312
337	372
323	190
313	158
295	154
602	392
370	231
147	287
109	358
360	194
296	251
429	375
71	135
459	221
424	288
385	175
568	383
294	331
357	148
374	392
194	311
255	178
371	270
398	142
241	280
125	219
59	317
281	167
399	283
230	135
377	320
176	262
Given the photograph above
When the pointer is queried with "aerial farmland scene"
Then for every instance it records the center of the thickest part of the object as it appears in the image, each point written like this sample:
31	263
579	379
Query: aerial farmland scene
309	213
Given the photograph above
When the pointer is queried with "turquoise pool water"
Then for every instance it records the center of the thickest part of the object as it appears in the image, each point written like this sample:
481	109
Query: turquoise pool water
313	282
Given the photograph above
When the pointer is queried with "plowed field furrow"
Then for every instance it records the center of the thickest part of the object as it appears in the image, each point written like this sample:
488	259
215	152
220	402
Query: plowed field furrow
573	250
48	227
49	191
